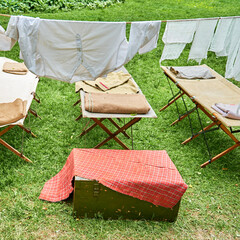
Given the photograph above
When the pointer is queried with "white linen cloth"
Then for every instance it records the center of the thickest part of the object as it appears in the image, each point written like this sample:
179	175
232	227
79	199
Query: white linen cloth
143	38
176	36
228	110
6	43
220	37
192	72
202	39
16	86
70	50
233	51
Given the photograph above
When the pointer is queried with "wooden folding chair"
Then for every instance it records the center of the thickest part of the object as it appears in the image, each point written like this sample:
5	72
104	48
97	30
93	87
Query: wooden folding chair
204	94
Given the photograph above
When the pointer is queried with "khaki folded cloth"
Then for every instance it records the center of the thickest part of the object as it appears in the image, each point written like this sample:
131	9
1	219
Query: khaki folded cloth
89	86
12	112
116	103
15	68
112	80
192	72
115	82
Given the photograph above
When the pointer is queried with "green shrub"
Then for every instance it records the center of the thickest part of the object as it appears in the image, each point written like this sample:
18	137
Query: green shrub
25	6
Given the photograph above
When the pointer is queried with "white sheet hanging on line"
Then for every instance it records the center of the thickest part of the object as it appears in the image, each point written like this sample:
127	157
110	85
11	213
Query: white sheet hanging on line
221	36
176	36
235	73
143	38
202	39
70	50
232	50
6	43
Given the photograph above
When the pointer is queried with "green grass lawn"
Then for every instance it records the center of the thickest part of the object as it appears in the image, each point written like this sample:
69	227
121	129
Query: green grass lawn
209	208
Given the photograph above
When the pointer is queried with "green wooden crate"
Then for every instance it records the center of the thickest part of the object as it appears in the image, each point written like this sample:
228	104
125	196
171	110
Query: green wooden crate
92	199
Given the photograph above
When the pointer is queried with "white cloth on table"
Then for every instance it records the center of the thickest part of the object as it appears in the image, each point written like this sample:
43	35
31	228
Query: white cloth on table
70	50
221	36
143	38
6	43
228	110
192	72
176	36
202	39
16	86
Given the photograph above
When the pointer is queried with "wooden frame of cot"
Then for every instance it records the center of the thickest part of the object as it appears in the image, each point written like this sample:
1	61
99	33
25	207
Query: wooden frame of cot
204	102
11	148
98	119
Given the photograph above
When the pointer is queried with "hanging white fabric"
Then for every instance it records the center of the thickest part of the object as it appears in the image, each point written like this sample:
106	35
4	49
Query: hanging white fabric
232	49
221	36
70	51
143	38
202	39
6	43
176	36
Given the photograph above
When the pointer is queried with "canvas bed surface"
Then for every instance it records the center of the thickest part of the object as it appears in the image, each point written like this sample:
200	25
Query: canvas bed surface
86	114
14	86
207	92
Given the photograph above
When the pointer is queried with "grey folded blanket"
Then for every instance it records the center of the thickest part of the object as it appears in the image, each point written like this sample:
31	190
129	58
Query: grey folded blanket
228	110
192	72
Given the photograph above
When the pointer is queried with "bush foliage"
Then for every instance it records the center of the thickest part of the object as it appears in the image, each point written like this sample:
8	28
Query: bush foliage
25	6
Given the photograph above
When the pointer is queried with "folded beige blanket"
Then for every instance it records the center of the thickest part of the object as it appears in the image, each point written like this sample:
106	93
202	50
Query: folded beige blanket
116	103
12	112
15	68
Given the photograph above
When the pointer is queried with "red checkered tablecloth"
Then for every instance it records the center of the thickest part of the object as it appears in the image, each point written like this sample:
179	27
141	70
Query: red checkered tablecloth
144	174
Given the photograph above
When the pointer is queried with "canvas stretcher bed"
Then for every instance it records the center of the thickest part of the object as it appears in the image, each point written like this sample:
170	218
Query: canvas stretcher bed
99	118
204	93
22	88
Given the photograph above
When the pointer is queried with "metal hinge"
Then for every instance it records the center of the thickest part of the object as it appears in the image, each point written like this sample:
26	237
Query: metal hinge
96	189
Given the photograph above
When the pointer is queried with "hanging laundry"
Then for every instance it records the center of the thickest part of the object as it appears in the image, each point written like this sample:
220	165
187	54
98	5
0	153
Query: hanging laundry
233	63
143	38
221	36
176	36
233	50
70	51
202	39
6	43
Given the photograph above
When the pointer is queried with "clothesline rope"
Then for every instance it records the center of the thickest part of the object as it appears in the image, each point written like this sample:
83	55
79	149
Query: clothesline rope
176	20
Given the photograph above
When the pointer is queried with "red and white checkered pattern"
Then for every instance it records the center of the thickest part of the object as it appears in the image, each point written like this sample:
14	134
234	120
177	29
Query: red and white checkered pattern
144	174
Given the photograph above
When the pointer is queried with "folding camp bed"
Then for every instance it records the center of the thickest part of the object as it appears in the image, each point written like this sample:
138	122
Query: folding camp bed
22	88
204	93
99	118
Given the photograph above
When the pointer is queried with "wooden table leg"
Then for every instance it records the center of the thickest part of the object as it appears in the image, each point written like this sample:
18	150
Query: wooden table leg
113	135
